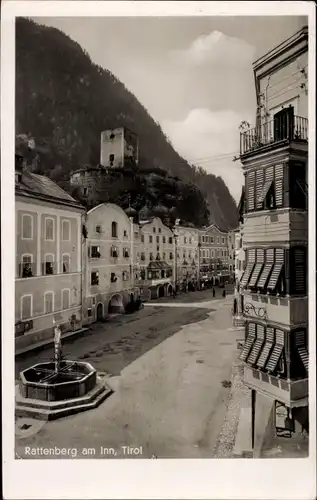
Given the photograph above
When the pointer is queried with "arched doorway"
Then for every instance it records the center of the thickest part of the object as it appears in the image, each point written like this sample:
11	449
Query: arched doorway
160	291
115	304
169	290
100	312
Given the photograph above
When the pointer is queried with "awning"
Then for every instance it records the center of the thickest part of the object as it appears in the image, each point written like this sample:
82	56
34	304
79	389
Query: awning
255	275
264	191
276	273
158	265
265	274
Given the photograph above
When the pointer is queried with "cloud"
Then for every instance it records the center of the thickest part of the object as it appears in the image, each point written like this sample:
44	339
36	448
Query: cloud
216	49
210	139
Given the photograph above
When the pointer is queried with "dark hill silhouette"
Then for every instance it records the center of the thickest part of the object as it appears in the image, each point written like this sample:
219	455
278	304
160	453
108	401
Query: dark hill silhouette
64	101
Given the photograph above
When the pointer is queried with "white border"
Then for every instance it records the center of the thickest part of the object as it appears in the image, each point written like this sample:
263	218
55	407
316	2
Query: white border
69	229
69	266
265	479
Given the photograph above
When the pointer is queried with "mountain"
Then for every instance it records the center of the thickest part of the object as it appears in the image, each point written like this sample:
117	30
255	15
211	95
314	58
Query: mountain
64	101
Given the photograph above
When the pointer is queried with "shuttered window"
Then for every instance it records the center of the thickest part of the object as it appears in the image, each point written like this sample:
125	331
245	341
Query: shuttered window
257	268
277	269
279	175
248	342
267	268
251	254
267	348
257	346
277	351
251	190
259	188
298	270
301	347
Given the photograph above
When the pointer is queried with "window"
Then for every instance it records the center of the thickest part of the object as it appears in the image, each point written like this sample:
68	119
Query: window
125	276
95	252
164	256
159	230
26	307
158	248
211	239
113	277
66	230
151	256
66	298
126	253
164	239
94	278
171	256
114	252
98	229
49	229
154	230
125	233
298	188
111	159
48	302
170	240
26	266
190	241
157	239
89	313
142	238
66	262
85	191
48	265
265	188
185	240
27	227
114	229
150	239
223	241
142	256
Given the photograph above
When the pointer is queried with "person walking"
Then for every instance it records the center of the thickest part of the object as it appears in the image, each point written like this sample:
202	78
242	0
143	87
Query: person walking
213	292
224	293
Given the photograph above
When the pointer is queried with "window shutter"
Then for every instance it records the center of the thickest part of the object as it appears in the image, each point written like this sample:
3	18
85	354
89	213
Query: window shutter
251	188
267	348
279	175
267	268
249	342
277	351
299	274
277	268
255	351
259	187
269	174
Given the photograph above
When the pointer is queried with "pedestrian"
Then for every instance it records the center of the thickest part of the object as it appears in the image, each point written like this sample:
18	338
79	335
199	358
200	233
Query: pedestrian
213	292
235	306
174	293
224	293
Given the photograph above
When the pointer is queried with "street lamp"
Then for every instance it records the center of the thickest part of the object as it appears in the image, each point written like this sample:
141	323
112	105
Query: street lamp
175	261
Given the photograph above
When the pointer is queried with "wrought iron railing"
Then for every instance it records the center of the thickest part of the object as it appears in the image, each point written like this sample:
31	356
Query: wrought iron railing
288	127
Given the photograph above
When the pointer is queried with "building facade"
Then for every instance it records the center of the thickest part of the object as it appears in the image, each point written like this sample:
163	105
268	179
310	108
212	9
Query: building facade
108	257
274	157
48	272
155	256
214	251
187	256
231	251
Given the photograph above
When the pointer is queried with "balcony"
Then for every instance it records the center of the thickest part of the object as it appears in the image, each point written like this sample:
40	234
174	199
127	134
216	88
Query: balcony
290	392
282	129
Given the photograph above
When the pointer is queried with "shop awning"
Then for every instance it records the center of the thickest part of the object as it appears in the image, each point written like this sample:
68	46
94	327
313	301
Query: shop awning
158	265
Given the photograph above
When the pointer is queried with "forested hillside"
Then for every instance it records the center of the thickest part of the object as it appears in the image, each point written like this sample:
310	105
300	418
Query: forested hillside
64	101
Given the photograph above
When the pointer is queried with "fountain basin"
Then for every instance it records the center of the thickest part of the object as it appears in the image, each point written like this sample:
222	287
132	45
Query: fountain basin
74	379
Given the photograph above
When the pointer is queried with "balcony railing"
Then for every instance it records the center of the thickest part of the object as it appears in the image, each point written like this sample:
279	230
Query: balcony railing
288	127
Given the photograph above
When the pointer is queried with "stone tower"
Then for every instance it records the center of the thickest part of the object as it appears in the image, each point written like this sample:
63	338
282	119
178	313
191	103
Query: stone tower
119	148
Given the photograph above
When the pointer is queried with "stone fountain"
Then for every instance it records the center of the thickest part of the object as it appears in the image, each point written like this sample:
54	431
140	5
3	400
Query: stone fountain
59	388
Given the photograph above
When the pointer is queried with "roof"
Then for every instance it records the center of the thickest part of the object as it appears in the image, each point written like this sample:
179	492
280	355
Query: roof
41	186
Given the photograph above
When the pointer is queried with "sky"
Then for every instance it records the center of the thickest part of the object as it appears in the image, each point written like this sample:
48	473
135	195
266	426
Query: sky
192	74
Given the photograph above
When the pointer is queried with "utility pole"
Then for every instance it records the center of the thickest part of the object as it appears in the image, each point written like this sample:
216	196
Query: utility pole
198	277
175	261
